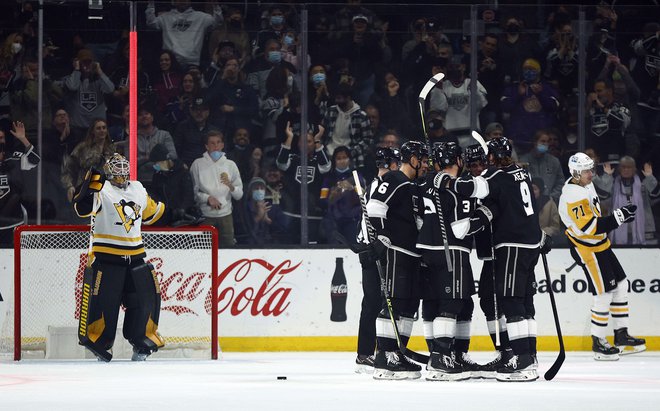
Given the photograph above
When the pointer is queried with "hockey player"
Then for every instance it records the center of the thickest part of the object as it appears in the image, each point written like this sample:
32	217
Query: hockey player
579	209
391	212
447	307
517	239
387	159
117	273
476	162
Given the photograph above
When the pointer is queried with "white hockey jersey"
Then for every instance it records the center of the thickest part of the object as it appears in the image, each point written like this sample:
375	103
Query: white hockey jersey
579	208
119	215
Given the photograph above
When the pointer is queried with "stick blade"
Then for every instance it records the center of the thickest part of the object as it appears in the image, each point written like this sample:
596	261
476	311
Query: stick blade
480	140
429	85
554	369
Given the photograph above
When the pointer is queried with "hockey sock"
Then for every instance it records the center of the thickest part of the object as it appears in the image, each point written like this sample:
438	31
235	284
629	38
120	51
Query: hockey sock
444	331
504	337
600	314
531	328
619	305
428	334
385	336
518	331
405	325
462	342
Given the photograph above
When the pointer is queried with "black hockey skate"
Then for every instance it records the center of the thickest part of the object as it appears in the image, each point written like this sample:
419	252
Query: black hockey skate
364	364
469	367
393	365
520	368
443	367
603	351
628	344
489	370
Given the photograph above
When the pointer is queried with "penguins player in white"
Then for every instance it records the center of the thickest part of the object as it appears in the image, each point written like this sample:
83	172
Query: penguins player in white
117	273
587	228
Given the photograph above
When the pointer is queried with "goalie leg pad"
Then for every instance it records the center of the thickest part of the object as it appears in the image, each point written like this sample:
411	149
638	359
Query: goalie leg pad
99	307
142	301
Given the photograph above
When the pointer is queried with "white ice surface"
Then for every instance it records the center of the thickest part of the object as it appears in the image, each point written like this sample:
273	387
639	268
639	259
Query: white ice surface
318	381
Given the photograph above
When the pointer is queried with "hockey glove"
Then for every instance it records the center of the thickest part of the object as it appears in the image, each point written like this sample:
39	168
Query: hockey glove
378	247
441	180
625	214
546	243
484	214
92	183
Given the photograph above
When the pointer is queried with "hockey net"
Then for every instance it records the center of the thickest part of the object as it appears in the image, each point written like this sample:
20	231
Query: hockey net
41	317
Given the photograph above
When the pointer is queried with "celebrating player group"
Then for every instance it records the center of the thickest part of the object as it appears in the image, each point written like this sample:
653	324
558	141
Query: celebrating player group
425	212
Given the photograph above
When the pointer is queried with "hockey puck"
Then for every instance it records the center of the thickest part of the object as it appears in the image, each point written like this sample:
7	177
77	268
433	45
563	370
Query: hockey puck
281	377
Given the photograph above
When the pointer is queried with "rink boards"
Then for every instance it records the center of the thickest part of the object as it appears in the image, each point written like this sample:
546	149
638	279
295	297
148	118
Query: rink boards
279	299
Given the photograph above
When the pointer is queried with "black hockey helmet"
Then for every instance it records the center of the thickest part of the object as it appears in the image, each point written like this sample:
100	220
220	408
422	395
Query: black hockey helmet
413	148
500	147
386	156
446	153
474	153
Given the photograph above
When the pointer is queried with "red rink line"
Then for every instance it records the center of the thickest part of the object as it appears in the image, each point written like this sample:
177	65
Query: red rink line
14	380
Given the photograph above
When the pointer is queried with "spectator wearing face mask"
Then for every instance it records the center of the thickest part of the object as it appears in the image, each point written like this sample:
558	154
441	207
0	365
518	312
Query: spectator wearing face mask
232	32
339	200
544	165
216	182
515	46
532	105
259	69
276	27
259	214
317	93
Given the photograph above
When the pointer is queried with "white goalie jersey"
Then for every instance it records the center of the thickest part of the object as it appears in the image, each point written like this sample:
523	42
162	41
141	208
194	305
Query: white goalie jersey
119	214
579	209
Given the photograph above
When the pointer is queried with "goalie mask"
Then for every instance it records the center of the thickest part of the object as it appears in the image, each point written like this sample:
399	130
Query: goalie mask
117	170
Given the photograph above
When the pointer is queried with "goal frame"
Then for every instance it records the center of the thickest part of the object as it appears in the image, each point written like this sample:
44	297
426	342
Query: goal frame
85	228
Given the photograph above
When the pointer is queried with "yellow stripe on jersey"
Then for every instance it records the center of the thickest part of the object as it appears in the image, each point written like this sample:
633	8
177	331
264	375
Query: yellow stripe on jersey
118	238
116	251
152	212
588	258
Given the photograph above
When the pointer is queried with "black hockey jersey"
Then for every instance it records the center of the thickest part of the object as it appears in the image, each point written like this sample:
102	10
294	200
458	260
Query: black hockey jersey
457	211
391	211
512	202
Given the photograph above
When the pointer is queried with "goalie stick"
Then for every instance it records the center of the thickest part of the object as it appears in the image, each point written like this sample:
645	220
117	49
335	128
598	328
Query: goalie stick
554	369
371	233
441	219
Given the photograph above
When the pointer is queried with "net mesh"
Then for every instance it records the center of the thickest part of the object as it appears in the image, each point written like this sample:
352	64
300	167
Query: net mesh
52	268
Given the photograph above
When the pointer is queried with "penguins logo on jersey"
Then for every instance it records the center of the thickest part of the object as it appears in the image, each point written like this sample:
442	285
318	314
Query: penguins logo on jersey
129	212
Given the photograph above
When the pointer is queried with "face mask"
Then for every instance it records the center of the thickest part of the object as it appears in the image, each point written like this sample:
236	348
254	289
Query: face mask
274	56
513	29
216	155
276	20
318	78
157	167
530	75
236	24
342	169
16	47
454	75
259	195
542	148
288	40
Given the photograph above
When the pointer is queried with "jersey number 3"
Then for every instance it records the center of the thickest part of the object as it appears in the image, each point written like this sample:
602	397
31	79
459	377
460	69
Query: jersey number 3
526	198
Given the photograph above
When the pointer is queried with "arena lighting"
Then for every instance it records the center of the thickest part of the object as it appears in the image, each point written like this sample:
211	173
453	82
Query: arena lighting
95	10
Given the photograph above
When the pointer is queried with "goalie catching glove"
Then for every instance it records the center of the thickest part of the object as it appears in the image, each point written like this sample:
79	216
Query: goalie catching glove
92	183
625	214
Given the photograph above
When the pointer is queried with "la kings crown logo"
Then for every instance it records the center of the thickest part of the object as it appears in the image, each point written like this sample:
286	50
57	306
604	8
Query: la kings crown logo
129	212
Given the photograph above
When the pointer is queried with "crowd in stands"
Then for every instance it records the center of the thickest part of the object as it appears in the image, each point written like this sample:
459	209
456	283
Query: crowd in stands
220	97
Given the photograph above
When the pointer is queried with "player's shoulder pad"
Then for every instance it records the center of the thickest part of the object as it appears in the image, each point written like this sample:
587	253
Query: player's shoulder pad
395	176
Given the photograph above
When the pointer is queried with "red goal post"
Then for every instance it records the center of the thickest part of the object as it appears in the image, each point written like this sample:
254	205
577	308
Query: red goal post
49	261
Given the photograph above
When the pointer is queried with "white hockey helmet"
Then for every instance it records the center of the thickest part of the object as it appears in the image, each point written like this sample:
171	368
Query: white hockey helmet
578	163
117	170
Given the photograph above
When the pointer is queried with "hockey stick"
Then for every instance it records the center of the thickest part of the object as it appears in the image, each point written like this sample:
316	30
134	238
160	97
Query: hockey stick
481	141
554	369
438	206
371	234
492	269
